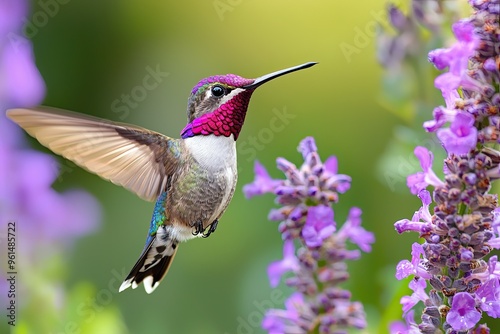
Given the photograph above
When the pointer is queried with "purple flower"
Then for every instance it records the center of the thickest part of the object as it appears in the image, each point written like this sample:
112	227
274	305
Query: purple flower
465	224
289	262
418	286
45	220
407	327
456	58
43	215
273	322
20	81
262	184
417	265
318	267
441	116
319	225
461	136
352	230
397	18
420	180
415	224
288	320
11	14
397	327
307	146
488	297
336	182
463	314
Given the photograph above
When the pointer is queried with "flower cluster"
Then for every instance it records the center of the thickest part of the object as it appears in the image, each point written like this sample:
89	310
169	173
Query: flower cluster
393	49
465	224
43	215
44	219
307	219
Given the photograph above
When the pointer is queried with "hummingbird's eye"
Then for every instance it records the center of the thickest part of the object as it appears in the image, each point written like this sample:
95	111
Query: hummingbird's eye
218	91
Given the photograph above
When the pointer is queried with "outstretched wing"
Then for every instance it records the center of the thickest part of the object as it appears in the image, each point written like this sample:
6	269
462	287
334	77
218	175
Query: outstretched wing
133	157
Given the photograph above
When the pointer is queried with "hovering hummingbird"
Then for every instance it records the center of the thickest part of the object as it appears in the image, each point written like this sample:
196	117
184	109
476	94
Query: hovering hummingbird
192	179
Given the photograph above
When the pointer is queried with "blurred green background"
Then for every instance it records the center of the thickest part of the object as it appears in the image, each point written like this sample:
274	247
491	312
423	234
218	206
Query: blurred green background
91	53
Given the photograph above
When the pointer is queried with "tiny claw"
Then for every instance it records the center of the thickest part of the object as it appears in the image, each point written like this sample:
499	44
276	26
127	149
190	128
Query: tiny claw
198	227
211	228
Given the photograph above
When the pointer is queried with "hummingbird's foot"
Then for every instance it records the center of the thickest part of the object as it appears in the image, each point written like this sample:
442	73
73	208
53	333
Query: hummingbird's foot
211	228
198	227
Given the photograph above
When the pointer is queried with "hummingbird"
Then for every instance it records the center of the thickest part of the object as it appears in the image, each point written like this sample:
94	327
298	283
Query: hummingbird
192	179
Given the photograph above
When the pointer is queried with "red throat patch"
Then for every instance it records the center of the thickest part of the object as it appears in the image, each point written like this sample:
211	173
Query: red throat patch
224	121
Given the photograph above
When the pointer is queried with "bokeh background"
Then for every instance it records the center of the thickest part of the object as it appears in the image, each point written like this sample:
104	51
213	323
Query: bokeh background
93	53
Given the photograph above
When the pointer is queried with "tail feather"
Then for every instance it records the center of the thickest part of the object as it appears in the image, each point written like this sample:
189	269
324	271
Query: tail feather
153	263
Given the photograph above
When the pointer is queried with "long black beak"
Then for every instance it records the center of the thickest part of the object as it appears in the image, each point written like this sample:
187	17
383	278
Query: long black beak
265	78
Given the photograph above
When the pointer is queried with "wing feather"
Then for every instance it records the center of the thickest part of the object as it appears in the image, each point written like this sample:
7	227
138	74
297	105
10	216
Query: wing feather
133	157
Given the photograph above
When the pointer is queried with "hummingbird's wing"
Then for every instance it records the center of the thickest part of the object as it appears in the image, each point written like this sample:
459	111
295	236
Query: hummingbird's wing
133	157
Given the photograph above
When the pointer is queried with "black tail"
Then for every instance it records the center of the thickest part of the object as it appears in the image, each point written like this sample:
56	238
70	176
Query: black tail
153	264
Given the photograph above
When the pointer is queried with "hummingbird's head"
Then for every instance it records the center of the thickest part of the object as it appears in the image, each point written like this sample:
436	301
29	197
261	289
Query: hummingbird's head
213	92
218	104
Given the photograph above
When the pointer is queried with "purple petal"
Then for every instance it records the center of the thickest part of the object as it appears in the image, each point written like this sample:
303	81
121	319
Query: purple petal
290	170
416	182
490	65
319	225
423	213
440	58
280	321
276	215
415	267
278	268
489	295
331	165
492	263
462	123
447	82
466	255
405	225
357	234
307	146
314	237
441	114
464	31
461	136
11	13
404	269
273	323
420	180
263	183
295	302
23	83
418	286
425	197
417	252
397	18
397	327
463	314
424	156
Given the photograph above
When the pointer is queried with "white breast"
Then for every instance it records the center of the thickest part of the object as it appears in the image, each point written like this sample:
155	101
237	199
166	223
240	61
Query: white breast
216	154
213	153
